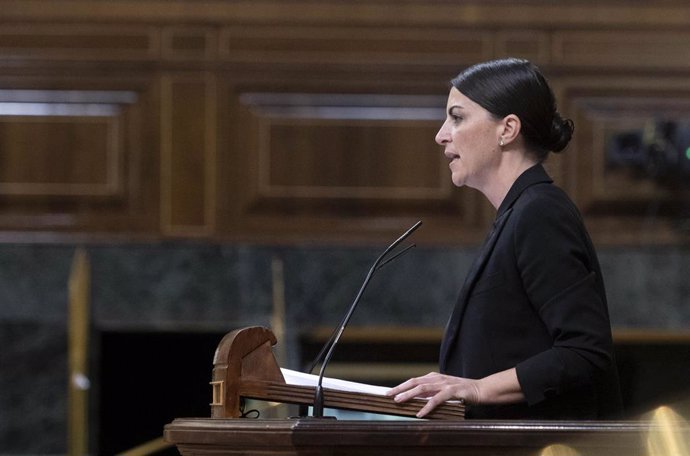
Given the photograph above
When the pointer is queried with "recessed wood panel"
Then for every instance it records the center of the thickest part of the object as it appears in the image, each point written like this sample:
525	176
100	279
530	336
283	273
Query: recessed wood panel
621	190
315	165
43	156
75	159
607	181
638	49
337	159
187	186
61	144
354	147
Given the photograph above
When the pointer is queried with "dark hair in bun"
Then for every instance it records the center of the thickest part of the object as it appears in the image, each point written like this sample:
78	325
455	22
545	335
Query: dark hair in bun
516	86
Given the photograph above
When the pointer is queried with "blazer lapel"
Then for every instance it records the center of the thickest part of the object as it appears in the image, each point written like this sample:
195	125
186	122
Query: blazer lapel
477	267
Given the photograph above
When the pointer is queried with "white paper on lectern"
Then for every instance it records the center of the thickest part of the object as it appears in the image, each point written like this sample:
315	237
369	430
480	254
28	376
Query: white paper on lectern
301	379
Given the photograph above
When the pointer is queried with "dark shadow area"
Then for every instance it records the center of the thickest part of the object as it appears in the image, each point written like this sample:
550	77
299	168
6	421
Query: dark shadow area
147	379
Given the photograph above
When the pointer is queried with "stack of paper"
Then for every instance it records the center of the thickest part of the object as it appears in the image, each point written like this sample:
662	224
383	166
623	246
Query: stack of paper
301	379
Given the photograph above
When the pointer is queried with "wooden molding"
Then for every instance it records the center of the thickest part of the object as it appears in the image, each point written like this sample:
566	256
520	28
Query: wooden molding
583	13
310	121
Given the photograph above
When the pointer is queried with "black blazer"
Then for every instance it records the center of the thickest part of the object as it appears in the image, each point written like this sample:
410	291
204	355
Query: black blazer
534	299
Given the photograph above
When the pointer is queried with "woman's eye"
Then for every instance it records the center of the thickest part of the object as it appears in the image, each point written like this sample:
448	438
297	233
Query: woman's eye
455	118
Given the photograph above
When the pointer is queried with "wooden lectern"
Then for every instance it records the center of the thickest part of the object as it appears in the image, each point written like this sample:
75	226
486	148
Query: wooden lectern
244	366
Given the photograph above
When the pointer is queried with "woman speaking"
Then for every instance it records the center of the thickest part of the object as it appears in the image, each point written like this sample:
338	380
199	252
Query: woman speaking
529	336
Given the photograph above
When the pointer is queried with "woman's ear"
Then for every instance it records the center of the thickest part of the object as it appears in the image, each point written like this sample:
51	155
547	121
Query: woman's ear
511	129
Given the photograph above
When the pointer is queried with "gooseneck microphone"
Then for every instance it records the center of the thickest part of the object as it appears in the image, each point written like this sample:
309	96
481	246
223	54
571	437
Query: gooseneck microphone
335	337
318	358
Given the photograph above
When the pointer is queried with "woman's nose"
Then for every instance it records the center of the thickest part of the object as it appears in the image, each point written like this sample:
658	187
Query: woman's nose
442	137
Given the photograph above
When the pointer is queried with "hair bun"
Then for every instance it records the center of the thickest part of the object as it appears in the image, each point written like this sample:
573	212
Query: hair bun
561	133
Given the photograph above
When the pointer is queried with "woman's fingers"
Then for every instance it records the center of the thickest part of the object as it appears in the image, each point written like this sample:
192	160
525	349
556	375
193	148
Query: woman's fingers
437	388
424	390
433	402
411	383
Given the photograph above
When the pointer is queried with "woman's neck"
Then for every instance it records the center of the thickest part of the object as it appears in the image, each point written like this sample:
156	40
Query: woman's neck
512	165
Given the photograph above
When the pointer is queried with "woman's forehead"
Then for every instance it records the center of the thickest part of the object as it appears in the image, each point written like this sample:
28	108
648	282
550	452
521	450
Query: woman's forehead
459	100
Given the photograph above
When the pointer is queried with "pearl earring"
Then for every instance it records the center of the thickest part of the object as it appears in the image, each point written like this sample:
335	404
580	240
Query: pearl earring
500	143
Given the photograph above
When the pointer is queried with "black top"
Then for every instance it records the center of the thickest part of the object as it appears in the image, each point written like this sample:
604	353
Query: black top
534	299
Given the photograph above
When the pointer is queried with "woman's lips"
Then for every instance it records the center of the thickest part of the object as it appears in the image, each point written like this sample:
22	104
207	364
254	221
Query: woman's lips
451	156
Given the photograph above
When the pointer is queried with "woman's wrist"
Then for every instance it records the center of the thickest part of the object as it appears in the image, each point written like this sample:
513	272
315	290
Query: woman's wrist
499	388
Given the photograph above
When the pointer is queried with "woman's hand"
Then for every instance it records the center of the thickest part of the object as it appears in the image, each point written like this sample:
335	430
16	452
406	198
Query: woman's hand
499	388
438	388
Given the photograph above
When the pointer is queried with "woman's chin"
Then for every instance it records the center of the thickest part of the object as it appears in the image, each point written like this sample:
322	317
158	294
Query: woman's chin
458	179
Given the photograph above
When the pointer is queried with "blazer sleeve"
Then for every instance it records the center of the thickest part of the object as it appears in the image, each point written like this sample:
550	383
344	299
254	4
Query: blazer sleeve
559	272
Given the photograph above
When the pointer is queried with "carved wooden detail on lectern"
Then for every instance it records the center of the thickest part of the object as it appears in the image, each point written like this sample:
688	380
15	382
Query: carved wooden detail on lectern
243	354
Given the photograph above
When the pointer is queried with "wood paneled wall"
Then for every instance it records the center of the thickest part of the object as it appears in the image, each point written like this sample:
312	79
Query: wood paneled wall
273	121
